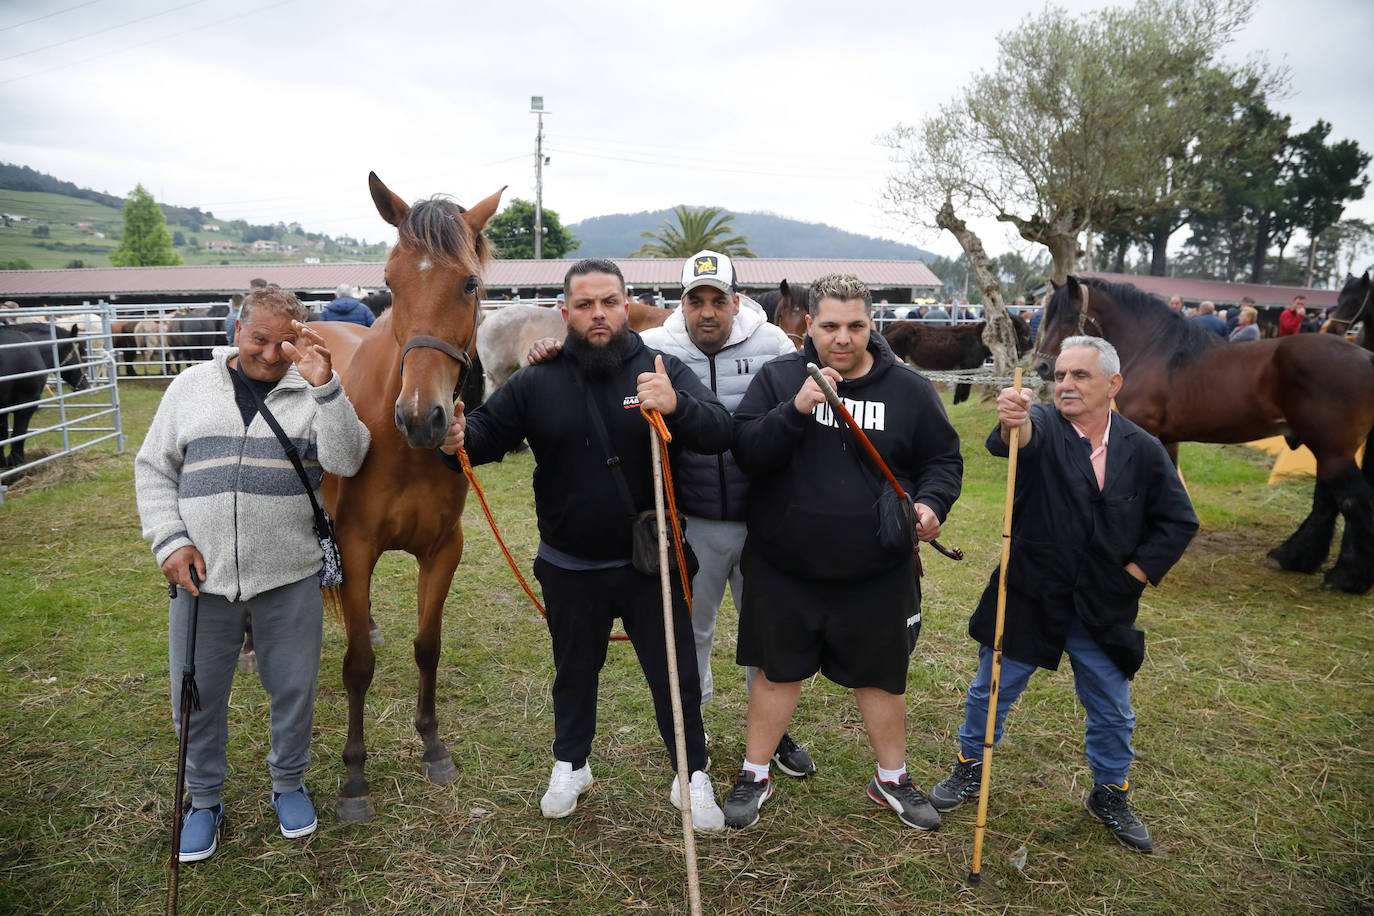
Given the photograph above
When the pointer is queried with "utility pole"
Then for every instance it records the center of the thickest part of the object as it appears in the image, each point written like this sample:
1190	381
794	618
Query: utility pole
537	108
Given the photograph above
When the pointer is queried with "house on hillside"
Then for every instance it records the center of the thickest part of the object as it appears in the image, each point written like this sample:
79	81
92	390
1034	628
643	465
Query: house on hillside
209	227
219	245
262	245
82	225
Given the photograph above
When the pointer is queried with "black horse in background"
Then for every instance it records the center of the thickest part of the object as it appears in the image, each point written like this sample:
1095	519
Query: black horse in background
1354	306
27	349
943	347
193	335
1185	384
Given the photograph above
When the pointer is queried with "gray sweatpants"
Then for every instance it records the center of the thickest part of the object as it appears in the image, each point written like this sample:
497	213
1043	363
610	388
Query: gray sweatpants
717	546
288	627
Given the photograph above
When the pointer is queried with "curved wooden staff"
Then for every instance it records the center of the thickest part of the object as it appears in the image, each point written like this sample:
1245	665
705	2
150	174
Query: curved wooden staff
190	696
954	553
974	875
684	782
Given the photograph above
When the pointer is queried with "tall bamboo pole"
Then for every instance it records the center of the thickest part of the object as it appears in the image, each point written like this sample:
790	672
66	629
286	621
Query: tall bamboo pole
974	875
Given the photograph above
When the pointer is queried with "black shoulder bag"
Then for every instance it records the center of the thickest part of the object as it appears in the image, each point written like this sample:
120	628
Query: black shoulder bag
643	525
331	573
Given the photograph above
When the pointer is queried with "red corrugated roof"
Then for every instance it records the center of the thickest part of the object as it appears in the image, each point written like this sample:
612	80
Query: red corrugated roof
1223	294
199	279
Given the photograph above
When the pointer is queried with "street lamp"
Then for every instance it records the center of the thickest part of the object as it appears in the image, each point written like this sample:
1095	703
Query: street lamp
537	108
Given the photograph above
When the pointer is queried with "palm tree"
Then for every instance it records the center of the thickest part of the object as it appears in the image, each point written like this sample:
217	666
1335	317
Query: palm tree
708	227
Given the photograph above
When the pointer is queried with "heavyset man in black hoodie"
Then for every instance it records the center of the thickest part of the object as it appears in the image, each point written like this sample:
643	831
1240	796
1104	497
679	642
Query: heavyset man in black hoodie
820	592
583	562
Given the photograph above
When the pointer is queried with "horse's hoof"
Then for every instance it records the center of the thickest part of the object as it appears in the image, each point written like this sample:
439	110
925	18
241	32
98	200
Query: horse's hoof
356	810
1338	580
440	772
374	633
248	661
1272	562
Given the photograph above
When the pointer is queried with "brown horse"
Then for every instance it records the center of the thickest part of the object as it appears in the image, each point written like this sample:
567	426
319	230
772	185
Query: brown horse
643	317
401	375
1354	306
943	347
786	307
1185	384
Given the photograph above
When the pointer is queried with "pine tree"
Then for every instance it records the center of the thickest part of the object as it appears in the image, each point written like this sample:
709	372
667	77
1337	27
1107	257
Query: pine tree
146	241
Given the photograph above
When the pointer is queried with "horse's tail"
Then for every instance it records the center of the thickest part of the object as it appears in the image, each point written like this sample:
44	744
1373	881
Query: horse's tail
333	601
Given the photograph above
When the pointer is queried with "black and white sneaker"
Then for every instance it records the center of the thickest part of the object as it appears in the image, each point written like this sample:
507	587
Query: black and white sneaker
1108	804
959	786
910	803
745	799
792	758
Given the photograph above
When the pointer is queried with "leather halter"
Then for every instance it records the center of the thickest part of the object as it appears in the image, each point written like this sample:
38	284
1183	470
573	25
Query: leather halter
443	346
1083	319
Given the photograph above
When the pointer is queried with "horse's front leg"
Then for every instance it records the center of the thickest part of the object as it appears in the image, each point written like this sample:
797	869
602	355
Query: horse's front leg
436	575
359	663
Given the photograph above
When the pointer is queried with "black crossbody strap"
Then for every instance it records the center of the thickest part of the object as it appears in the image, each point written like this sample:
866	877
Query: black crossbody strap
612	459
291	451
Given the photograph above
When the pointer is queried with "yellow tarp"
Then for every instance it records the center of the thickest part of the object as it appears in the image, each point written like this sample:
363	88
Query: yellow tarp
1289	462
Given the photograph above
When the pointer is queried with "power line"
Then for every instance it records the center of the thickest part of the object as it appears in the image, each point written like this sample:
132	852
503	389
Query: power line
47	15
840	176
87	60
67	41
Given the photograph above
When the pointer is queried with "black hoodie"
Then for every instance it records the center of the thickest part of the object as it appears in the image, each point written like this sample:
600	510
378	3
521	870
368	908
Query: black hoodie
812	491
577	501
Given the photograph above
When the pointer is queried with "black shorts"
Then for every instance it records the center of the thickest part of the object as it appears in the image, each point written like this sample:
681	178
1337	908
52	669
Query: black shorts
857	633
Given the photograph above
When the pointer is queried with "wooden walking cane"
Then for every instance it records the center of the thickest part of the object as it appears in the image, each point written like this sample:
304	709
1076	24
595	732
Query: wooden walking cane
190	697
974	875
684	782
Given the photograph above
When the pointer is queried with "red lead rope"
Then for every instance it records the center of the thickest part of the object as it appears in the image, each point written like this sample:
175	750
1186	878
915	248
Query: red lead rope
655	419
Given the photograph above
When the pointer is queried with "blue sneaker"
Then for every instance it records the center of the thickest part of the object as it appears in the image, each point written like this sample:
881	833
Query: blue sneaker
295	812
200	833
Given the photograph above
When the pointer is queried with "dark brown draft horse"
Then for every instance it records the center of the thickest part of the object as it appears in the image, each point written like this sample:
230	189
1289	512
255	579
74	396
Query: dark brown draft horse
401	378
1185	384
1354	306
942	347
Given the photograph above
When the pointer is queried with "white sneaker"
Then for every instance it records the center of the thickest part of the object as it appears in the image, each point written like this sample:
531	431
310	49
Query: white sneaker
565	785
706	814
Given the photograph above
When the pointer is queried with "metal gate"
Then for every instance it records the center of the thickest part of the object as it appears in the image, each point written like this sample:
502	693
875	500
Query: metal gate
66	419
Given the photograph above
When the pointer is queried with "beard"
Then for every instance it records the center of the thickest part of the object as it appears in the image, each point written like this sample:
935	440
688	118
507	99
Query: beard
598	360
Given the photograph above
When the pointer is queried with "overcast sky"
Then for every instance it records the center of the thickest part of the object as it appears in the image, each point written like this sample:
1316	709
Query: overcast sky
272	110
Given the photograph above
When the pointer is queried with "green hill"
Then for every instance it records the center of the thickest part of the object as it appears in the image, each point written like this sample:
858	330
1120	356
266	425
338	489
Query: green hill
49	223
770	236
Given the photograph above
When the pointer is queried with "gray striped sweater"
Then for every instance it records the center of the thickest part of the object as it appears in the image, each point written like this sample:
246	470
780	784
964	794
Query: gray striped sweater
202	479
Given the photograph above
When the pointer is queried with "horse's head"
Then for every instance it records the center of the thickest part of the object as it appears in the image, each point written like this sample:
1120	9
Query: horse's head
1024	340
434	272
72	358
1353	304
790	312
1063	318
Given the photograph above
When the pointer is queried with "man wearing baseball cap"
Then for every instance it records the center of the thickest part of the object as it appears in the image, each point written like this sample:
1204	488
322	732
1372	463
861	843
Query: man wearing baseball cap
723	338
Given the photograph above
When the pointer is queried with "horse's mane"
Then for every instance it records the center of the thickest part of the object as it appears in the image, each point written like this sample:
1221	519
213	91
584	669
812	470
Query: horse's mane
1162	327
435	228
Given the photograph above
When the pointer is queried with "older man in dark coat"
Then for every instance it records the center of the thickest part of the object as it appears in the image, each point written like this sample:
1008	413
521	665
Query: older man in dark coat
1099	511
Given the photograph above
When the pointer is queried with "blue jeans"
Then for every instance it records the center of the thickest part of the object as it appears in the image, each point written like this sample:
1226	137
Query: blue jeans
1102	689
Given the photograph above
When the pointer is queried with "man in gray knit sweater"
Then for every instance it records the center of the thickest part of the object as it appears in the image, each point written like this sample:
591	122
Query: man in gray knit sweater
217	493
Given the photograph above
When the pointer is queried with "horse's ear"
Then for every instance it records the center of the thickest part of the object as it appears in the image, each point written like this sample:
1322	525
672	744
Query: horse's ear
1366	276
784	290
1072	284
477	216
1054	285
74	331
391	207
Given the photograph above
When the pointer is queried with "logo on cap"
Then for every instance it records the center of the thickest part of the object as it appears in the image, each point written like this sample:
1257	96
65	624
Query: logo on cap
706	265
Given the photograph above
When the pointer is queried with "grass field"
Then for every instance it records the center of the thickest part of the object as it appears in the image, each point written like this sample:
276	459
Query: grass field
1255	766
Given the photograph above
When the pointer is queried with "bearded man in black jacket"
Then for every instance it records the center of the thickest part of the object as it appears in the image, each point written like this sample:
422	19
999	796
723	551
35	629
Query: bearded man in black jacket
821	591
585	523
